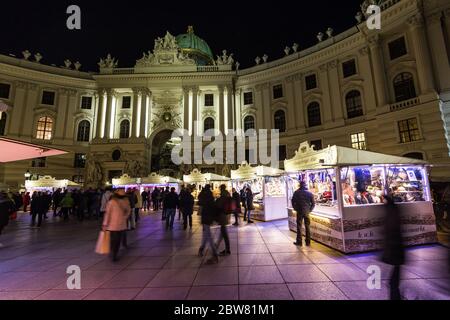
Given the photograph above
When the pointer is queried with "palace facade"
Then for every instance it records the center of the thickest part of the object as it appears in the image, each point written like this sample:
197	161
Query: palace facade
382	90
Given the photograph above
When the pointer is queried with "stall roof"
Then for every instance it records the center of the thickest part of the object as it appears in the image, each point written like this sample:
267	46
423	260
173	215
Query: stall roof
50	182
153	178
197	177
308	158
246	171
15	150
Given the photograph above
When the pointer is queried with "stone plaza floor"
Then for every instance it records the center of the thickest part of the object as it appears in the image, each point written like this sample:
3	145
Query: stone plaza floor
164	265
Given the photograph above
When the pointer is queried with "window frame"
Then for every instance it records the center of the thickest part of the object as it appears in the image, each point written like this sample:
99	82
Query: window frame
251	96
79	163
283	128
277	88
393	41
42	97
400	131
128	128
40	160
308	107
244	122
205	127
128	98
45	130
395	88
344	75
9	90
315	81
205	100
352	111
84	135
86	97
358	142
311	142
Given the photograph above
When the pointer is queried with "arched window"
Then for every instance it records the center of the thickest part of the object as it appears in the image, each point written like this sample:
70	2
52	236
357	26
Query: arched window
404	88
124	129
314	118
414	155
44	128
353	102
280	121
3	123
84	131
249	123
208	124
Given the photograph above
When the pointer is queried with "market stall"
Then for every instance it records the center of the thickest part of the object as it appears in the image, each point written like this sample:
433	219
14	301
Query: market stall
268	188
50	184
349	187
199	180
152	181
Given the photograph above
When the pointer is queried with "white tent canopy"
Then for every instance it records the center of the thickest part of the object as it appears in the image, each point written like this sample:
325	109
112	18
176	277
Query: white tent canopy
152	179
247	172
308	158
50	182
197	177
15	150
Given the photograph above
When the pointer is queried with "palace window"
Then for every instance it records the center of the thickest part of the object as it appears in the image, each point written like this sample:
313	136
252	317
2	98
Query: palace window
349	68
84	131
248	98
208	124
316	143
314	118
3	123
209	100
39	163
353	102
79	160
249	123
86	103
278	91
124	129
44	128
280	121
126	102
397	48
409	130
404	88
4	90
358	141
48	98
311	82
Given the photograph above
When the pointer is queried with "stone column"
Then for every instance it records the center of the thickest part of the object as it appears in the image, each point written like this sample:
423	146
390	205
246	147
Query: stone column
378	71
335	93
230	117
186	111
71	108
238	109
326	98
299	105
369	97
137	94
421	52
195	113
266	107
100	113
291	107
15	114
110	96
144	104
259	106
27	125
221	109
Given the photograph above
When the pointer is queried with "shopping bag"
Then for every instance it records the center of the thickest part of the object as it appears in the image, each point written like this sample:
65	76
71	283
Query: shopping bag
103	243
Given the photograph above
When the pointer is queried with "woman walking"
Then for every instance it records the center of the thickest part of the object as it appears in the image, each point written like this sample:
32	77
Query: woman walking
208	209
115	220
224	209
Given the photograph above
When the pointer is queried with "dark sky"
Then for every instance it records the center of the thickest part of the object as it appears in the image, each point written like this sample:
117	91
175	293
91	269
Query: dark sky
128	28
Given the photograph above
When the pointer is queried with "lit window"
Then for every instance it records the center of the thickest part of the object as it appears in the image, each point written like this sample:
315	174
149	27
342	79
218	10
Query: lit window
44	128
80	160
248	98
209	100
359	141
409	130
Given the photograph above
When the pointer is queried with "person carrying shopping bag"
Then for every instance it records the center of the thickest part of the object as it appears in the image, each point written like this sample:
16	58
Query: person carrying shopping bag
117	212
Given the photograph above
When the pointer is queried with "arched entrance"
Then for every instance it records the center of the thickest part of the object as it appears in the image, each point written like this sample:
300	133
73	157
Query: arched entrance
161	154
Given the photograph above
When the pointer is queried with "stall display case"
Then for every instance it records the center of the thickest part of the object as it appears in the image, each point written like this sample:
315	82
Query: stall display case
199	180
268	186
349	187
50	184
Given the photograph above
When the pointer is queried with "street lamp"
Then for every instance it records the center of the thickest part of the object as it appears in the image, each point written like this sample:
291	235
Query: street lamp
27	175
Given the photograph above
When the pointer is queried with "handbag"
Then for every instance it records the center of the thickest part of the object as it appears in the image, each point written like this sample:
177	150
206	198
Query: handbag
103	243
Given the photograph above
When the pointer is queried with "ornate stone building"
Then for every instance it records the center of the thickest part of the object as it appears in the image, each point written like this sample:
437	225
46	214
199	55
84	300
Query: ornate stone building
385	91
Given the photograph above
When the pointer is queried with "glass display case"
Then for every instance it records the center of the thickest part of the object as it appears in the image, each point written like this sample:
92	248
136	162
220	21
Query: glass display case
364	185
407	184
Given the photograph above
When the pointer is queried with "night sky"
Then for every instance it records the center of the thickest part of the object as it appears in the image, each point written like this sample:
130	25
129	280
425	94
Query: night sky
246	28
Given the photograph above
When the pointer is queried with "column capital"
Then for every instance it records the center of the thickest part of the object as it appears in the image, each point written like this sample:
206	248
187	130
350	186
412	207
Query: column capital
416	21
374	41
332	64
262	86
364	51
111	92
324	67
294	77
221	88
435	18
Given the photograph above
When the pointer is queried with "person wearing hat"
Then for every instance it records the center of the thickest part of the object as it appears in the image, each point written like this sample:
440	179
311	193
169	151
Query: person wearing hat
303	203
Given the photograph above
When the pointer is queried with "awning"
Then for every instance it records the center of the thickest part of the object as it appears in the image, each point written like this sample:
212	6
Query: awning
15	150
247	172
50	182
307	158
197	177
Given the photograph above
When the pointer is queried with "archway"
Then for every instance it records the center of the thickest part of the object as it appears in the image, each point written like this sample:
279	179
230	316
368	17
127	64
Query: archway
161	154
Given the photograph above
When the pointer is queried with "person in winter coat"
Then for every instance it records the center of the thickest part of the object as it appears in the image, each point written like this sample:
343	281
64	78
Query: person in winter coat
187	207
393	249
162	196
248	205
170	205
6	209
56	199
117	213
105	198
138	205
66	205
132	219
303	203
208	210
237	209
155	199
224	209
145	200
26	201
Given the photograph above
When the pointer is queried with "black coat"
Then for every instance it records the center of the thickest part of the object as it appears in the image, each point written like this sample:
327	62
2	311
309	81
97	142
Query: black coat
303	201
187	203
209	211
171	201
6	209
393	250
222	204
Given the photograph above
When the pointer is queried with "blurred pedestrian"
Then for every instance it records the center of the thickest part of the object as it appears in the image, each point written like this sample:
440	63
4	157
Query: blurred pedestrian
224	210
145	200
117	213
393	249
248	205
162	196
208	212
56	200
66	205
26	201
105	198
155	199
236	206
6	209
303	203
138	206
187	207
170	205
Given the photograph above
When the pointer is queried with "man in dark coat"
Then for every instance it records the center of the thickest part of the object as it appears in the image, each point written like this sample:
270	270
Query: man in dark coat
393	250
237	209
303	203
6	209
187	207
208	210
171	203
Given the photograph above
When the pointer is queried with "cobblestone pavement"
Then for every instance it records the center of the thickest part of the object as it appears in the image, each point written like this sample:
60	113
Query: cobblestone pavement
160	264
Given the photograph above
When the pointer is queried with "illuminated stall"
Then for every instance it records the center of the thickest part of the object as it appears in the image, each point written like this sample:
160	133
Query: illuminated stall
50	184
199	180
349	187
152	181
268	186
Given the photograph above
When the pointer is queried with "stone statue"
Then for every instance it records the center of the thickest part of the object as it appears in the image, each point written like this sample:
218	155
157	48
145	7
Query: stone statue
132	168
159	43
109	62
94	173
230	60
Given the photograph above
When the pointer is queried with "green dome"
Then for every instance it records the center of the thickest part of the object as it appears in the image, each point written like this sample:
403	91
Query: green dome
195	47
